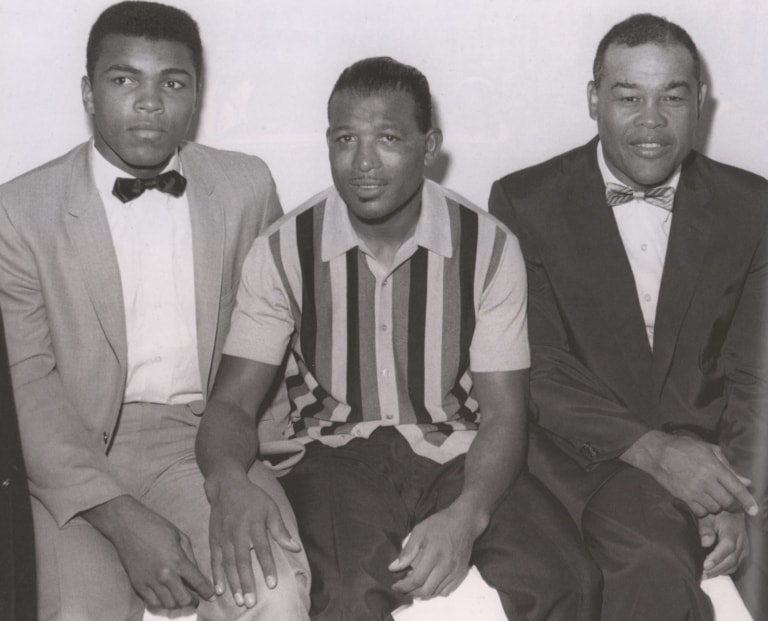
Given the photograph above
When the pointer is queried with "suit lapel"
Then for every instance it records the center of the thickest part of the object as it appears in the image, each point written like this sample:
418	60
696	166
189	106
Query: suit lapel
688	242
600	268
208	238
90	235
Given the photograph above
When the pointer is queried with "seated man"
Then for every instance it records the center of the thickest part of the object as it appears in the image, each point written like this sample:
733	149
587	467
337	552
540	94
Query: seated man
403	310
648	275
118	266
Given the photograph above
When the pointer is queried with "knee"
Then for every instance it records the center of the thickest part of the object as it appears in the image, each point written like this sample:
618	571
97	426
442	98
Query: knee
662	548
287	601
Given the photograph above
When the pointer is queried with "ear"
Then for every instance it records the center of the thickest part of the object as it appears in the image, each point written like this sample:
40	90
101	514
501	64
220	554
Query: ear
433	144
702	95
328	137
592	99
87	94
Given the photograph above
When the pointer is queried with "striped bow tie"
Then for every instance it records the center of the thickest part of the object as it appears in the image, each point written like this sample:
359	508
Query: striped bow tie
171	182
617	194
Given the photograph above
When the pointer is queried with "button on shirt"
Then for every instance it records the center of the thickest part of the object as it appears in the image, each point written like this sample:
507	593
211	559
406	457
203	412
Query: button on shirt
644	230
152	237
376	344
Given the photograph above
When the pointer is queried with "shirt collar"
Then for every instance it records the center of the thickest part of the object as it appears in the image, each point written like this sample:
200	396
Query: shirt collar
433	229
105	172
608	176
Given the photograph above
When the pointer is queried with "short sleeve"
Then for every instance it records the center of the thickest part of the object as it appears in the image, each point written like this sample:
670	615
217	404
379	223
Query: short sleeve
500	340
262	320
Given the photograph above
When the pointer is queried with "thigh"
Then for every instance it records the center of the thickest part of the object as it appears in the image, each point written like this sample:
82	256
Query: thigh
178	495
646	543
79	575
352	521
533	555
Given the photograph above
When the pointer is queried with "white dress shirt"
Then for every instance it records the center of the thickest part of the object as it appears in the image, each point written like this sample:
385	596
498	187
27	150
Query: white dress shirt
644	230
152	236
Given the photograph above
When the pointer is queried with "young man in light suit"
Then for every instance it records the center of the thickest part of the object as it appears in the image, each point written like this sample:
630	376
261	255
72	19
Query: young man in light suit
118	266
648	274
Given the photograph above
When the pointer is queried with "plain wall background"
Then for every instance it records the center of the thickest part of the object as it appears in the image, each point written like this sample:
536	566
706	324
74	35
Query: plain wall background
508	77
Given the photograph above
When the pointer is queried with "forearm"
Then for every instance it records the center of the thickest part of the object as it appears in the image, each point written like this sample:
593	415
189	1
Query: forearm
492	465
227	445
497	454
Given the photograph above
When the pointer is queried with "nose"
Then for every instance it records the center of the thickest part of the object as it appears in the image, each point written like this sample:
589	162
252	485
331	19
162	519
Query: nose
651	116
366	156
149	99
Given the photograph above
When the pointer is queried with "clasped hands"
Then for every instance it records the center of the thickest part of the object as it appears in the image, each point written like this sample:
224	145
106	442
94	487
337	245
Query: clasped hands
699	474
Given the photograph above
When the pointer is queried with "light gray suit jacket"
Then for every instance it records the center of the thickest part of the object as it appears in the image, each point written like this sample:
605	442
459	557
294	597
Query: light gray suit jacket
61	298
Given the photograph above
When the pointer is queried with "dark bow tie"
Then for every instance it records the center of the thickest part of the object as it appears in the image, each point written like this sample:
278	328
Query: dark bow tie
171	182
617	194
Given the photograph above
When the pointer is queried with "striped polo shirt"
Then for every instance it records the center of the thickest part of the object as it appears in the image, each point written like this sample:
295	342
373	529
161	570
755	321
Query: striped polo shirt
372	344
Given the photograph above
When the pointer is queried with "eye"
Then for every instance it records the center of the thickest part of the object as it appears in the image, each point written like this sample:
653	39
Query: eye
122	80
389	138
630	99
174	84
345	138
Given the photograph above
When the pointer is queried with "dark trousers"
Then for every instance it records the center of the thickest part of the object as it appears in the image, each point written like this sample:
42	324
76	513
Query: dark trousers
356	503
647	545
752	578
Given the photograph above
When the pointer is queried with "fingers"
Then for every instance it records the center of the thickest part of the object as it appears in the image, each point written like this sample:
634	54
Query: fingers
191	574
217	568
407	556
707	534
230	569
428	572
279	532
451	583
723	559
263	551
736	485
731	546
151	601
698	509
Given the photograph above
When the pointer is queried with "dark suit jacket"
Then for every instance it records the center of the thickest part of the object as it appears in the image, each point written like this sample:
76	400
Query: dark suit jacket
17	552
596	386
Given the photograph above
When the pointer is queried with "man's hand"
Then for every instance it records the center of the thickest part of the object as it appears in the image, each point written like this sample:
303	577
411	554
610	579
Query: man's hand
244	518
694	471
157	557
437	552
727	532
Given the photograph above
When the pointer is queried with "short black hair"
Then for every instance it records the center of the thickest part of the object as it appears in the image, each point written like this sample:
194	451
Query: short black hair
149	20
641	29
383	74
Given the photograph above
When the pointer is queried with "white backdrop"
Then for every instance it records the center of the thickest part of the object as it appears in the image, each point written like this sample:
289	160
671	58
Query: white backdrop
508	77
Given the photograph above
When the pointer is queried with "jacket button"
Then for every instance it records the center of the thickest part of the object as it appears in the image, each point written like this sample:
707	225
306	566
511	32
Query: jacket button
105	436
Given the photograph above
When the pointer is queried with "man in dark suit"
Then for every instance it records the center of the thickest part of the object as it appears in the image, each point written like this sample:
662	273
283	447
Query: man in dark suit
119	262
17	551
648	271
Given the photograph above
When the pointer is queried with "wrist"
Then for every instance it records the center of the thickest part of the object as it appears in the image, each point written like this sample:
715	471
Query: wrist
472	513
645	452
223	478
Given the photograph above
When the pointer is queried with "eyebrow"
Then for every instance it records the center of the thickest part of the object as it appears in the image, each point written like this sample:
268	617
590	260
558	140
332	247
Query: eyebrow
133	70
669	86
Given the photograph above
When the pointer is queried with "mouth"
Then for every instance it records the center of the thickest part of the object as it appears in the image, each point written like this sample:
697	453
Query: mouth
368	188
649	147
146	132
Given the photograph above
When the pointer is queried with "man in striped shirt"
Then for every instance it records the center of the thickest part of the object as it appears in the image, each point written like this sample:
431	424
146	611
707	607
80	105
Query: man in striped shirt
403	312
